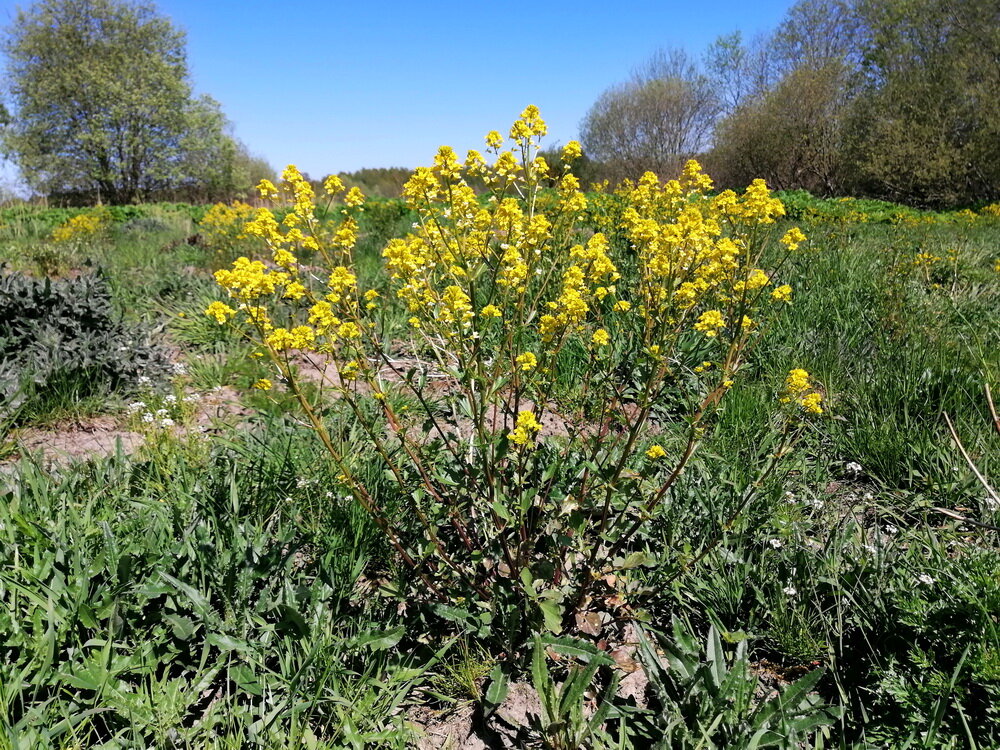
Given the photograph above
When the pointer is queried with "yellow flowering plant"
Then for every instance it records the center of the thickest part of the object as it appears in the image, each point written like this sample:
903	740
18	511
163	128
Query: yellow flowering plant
82	228
522	419
222	228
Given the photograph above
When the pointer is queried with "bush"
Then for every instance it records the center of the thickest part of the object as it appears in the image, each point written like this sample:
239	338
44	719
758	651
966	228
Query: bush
57	335
551	390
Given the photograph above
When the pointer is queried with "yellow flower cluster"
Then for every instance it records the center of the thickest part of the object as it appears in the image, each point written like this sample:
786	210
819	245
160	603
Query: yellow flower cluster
498	284
223	226
81	227
799	390
525	430
925	260
655	452
318	316
697	259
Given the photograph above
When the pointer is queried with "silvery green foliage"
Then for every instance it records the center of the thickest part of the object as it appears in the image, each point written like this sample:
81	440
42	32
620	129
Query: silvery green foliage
67	332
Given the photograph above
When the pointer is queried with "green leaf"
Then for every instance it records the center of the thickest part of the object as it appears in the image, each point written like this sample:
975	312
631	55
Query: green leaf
576	648
183	627
635	560
227	643
378	640
496	693
552	614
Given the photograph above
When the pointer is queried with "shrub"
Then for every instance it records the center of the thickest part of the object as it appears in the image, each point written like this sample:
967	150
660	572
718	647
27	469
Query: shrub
553	389
65	334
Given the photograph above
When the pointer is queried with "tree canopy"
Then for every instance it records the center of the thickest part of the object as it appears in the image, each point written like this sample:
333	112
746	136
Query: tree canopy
896	99
101	103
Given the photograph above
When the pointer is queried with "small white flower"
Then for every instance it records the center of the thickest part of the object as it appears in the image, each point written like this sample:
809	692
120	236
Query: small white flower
162	413
147	417
925	579
789	591
143	380
166	422
170	399
179	368
853	468
136	406
776	543
817	503
192	399
329	495
890	529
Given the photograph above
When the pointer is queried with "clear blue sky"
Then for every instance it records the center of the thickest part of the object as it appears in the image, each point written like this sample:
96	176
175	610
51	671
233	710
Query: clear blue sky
334	86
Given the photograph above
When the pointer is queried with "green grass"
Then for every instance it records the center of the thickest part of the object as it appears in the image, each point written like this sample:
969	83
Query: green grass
222	592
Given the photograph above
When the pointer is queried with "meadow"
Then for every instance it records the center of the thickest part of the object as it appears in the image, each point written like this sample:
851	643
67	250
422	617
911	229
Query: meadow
253	558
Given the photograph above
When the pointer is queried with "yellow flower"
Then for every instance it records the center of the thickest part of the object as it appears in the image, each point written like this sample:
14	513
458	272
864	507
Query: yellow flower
572	151
263	384
797	381
349	330
757	280
220	311
490	311
282	339
333	185
655	452
811	403
782	293
494	141
601	337
793	238
799	390
354	197
622	306
526	361
267	190
295	290
525	430
710	323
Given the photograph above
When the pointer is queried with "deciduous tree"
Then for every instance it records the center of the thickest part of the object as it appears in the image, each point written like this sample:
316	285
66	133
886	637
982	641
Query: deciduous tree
102	103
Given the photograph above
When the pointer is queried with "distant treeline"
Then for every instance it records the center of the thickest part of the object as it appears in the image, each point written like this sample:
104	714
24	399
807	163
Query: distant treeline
891	99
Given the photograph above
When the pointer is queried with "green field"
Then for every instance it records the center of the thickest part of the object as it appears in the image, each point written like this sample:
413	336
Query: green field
211	582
